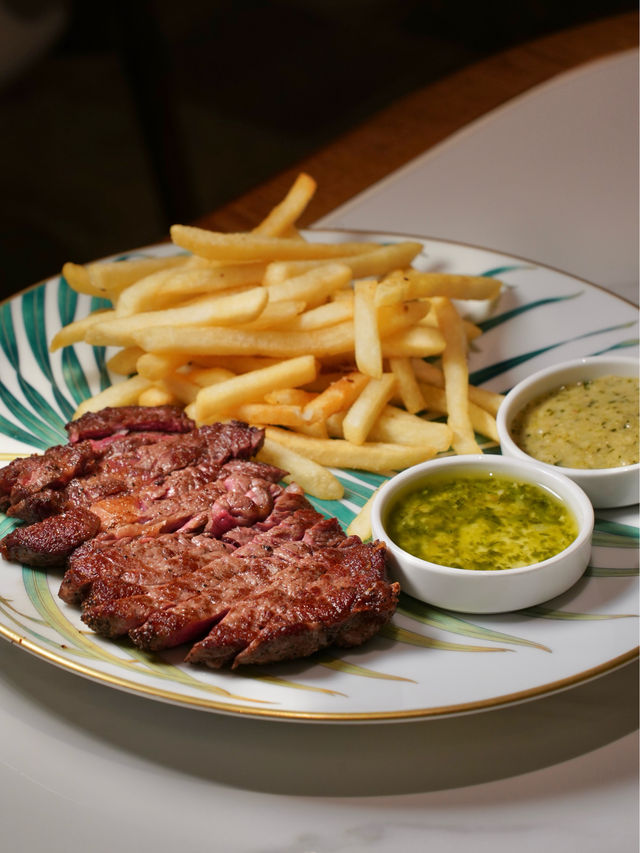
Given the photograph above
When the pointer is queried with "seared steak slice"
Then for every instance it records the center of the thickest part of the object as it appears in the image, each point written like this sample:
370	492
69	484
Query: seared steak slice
53	469
338	596
125	605
127	419
174	534
49	542
139	562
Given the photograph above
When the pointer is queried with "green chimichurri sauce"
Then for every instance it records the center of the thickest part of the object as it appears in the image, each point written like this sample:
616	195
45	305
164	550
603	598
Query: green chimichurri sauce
481	522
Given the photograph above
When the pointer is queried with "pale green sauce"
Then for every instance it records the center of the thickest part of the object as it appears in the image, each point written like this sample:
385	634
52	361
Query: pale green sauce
590	424
481	522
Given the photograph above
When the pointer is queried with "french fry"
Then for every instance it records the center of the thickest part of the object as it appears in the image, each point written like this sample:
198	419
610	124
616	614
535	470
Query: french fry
221	310
432	375
125	361
181	387
276	314
74	332
377	457
360	524
364	411
482	421
289	397
109	278
336	397
314	478
368	351
375	262
275	414
204	376
123	393
407	385
403	285
78	279
168	287
324	315
313	287
283	216
418	341
219	340
154	366
256	247
396	426
251	387
157	395
456	377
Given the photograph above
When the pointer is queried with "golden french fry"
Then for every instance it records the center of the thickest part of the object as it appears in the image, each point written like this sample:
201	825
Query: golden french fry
323	315
109	278
157	395
154	366
276	314
181	386
282	218
402	285
376	262
314	286
396	426
314	478
220	340
204	376
78	279
251	387
482	421
289	397
360	524
432	375
456	377
364	411
123	393
125	361
234	363
221	310
245	246
416	342
407	384
368	351
276	414
336	397
377	457
169	287
74	332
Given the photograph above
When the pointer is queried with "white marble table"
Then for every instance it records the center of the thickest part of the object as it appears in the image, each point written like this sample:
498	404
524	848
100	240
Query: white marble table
86	768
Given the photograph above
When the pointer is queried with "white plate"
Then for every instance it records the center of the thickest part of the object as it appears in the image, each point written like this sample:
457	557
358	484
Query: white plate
429	662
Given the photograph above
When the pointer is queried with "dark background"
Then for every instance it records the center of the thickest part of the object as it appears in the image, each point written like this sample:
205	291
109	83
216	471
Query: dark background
123	117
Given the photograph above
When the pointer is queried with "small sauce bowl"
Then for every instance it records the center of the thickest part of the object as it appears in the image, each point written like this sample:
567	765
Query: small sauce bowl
606	487
488	591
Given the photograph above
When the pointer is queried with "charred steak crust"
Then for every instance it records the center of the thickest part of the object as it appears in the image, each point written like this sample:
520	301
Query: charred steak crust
175	534
113	420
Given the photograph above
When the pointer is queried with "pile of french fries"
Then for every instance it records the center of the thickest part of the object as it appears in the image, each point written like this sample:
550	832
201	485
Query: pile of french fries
322	344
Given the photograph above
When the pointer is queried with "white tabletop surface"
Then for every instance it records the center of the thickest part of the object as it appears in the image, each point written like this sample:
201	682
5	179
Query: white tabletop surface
83	767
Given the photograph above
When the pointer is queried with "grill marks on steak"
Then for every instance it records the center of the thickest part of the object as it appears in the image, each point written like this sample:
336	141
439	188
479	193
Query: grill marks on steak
173	534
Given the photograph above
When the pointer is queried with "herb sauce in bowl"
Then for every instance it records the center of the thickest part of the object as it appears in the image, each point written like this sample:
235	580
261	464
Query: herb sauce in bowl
481	522
592	423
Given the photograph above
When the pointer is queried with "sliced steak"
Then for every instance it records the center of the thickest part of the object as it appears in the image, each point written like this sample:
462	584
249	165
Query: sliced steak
127	419
49	542
173	534
338	597
139	562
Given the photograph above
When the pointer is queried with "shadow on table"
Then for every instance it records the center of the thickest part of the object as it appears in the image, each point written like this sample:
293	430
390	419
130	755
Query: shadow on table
359	760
